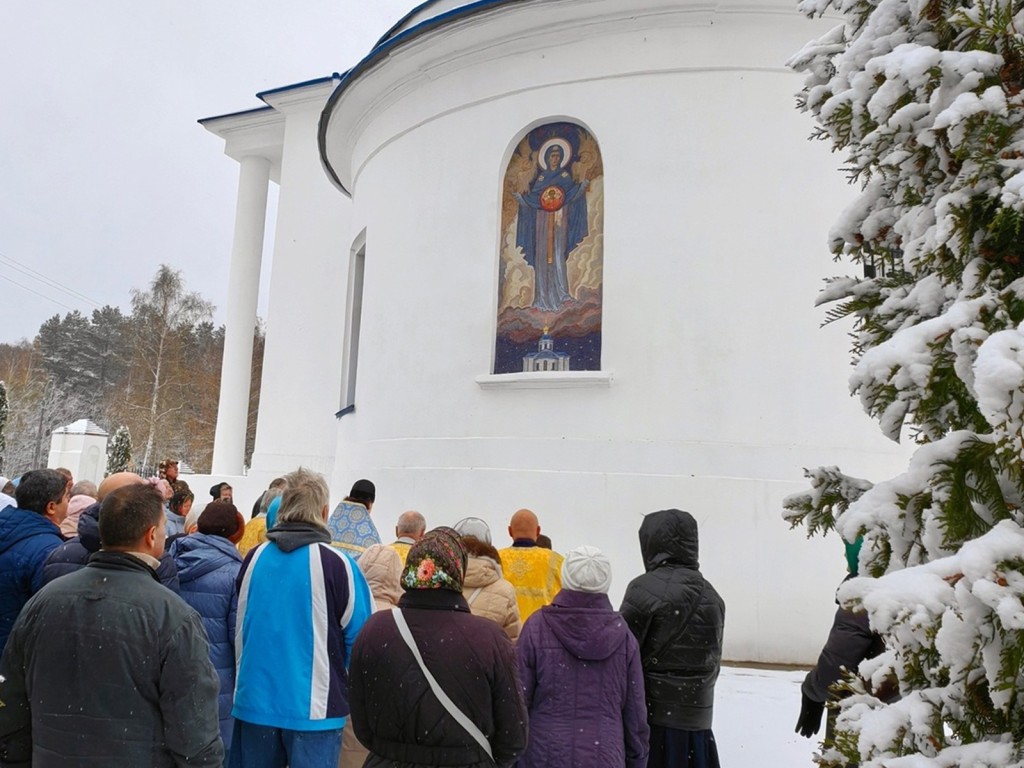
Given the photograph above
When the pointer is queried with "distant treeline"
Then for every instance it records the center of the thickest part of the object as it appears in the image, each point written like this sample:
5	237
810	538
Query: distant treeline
155	371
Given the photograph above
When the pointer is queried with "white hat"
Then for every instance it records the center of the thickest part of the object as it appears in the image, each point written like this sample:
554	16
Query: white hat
586	569
475	527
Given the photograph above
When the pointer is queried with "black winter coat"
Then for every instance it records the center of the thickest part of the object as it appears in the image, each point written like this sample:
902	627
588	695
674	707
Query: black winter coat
107	667
678	619
850	641
74	554
394	712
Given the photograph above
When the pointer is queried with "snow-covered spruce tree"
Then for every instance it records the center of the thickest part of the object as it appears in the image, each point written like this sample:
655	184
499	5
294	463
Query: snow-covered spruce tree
924	99
119	451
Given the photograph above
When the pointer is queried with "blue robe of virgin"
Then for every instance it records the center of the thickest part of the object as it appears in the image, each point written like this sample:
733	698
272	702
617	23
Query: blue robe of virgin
548	236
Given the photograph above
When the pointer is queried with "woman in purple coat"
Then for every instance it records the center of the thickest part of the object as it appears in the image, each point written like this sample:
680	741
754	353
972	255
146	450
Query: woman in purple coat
581	672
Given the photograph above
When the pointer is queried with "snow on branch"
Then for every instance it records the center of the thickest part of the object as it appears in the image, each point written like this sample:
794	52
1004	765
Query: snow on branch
925	100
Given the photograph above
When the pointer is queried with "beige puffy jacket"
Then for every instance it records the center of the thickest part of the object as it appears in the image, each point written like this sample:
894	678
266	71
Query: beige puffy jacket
489	595
382	567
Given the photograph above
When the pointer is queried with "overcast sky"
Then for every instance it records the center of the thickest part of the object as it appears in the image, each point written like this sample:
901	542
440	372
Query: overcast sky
104	172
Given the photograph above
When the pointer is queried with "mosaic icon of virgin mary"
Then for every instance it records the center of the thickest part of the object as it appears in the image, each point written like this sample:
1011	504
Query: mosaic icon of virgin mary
552	222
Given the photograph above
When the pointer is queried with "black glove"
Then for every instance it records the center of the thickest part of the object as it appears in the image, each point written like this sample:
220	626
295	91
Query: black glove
809	722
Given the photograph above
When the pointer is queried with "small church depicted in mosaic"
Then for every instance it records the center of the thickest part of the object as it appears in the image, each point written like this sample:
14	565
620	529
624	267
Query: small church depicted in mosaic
545	358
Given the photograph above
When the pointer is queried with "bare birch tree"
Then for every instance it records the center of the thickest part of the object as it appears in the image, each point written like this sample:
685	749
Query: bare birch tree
161	318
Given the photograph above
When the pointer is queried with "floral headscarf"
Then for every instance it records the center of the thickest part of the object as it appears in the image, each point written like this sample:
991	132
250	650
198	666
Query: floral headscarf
437	561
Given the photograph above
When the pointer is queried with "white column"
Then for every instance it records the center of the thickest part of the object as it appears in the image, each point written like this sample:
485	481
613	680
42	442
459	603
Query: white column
243	292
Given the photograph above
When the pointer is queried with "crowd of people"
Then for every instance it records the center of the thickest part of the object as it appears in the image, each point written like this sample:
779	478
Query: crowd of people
149	631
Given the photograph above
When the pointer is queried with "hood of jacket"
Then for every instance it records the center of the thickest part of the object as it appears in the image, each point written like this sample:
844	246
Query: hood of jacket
481	571
89	527
669	536
585	624
18	524
382	567
200	553
291	536
77	505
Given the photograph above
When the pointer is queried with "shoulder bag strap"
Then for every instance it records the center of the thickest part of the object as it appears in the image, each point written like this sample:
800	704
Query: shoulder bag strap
475	594
460	717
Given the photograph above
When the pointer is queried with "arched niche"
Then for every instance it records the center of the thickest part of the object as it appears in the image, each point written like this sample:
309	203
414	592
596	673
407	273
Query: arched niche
551	253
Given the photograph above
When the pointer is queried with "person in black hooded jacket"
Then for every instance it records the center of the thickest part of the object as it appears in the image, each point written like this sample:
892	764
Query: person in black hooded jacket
678	619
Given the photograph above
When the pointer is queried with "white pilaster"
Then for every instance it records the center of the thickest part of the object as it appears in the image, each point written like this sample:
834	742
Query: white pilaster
243	292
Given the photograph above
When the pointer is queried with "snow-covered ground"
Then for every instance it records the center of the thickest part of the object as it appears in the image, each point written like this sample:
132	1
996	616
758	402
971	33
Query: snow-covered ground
755	713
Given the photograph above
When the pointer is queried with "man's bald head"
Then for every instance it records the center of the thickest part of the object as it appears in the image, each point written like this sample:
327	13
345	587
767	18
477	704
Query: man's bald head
117	480
524	525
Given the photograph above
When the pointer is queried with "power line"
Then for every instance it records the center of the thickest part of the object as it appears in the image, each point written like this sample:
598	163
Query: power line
88	330
37	293
46	280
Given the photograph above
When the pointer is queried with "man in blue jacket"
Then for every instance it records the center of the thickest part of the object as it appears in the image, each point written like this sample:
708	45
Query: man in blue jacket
28	533
301	603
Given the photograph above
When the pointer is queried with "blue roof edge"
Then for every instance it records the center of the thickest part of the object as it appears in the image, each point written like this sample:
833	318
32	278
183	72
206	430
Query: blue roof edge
261	95
383	47
255	110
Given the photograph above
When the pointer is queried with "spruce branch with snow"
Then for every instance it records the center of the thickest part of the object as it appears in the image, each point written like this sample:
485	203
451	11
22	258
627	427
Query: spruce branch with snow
830	495
924	100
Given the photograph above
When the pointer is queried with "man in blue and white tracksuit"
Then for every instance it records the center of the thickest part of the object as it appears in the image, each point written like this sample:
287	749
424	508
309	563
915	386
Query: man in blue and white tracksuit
301	603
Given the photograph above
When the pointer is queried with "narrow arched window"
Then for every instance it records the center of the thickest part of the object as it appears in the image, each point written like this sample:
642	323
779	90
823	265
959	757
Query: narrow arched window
551	261
353	324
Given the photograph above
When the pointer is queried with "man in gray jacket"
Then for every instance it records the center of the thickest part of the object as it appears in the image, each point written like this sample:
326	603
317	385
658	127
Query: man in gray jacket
105	666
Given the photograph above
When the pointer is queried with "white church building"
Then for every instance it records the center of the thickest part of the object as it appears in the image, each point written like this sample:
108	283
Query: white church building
630	178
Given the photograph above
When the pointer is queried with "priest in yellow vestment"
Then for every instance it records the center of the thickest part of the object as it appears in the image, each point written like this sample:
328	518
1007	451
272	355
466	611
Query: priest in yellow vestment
535	572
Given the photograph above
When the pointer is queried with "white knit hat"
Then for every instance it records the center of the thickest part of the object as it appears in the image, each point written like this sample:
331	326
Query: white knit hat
586	569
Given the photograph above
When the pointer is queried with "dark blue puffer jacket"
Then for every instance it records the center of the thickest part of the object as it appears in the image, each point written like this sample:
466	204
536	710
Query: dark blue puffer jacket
26	538
74	554
207	569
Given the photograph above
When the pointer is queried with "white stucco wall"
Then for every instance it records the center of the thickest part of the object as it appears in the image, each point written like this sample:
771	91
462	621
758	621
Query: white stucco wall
300	390
716	214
